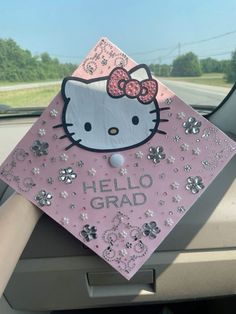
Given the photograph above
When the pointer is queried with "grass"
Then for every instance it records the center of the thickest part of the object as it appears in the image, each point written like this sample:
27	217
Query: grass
33	97
212	79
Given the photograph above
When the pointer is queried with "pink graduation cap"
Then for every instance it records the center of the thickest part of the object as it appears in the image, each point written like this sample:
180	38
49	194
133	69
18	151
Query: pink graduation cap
117	158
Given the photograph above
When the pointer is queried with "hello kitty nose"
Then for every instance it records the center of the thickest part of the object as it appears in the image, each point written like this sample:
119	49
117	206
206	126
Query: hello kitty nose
113	131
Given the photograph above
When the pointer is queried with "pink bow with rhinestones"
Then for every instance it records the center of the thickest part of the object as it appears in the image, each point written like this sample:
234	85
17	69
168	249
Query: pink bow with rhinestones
121	84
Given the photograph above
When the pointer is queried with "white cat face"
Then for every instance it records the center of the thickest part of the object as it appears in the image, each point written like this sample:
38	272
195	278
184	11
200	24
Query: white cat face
98	118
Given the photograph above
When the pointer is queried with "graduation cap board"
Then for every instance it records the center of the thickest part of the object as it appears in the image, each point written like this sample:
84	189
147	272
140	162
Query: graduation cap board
117	158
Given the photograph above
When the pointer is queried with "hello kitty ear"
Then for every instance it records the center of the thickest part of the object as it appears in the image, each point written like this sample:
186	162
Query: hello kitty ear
67	87
70	85
140	72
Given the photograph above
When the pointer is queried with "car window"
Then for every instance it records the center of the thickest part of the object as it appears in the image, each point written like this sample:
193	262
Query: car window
183	43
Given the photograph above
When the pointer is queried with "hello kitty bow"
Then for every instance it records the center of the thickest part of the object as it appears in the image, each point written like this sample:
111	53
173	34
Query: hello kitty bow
121	84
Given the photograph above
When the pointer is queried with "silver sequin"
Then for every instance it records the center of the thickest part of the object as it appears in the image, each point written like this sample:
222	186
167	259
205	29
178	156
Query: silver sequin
64	157
89	233
43	198
150	230
194	184
53	113
156	154
149	213
40	148
92	172
41	132
67	175
80	163
187	168
192	126
169	222
123	171
181	209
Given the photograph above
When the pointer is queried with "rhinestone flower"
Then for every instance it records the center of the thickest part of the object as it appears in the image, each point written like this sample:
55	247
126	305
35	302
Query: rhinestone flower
50	180
181	209
176	138
170	160
187	168
35	171
128	245
150	230
83	216
180	115
156	154
89	233
139	155
43	198
149	213
67	175
184	147
192	126
53	113
196	151
177	198
40	148
168	101
169	222
80	163
63	157
123	171
65	221
194	184
123	252
41	132
174	185
123	234
64	194
92	172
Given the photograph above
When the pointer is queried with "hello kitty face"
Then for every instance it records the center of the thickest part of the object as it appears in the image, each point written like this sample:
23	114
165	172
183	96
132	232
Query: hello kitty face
111	113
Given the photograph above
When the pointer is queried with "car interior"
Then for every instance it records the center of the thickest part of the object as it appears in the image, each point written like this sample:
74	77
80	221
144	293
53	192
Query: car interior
197	260
63	65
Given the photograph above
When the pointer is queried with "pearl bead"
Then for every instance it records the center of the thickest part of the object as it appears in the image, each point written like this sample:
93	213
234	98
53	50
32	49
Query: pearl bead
117	160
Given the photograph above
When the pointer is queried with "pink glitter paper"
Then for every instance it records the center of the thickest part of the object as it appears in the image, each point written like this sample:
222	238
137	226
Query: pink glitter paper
117	158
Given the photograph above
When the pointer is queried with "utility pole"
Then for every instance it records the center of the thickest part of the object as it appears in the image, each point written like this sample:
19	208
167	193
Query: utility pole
179	49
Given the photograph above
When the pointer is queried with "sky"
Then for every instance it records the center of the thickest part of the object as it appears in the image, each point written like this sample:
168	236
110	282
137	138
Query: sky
149	31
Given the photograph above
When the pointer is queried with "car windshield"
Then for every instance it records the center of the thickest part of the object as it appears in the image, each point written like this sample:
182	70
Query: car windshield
189	47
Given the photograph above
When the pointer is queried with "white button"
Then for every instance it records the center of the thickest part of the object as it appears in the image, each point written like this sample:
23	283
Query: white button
116	160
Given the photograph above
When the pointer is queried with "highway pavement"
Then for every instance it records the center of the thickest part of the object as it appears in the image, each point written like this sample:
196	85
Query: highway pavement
196	94
27	86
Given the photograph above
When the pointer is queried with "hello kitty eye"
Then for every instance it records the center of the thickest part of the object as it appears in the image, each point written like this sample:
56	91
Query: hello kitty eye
135	120
87	126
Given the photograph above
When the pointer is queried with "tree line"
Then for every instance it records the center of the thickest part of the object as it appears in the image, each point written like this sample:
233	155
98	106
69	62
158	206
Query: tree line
190	65
19	65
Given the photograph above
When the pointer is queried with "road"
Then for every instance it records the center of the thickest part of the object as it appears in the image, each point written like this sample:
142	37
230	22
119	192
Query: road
191	93
197	94
27	86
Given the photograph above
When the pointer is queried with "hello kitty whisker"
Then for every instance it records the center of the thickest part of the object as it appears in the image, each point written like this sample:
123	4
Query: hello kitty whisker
154	120
153	111
61	125
164	120
161	132
164	108
71	145
64	136
158	131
